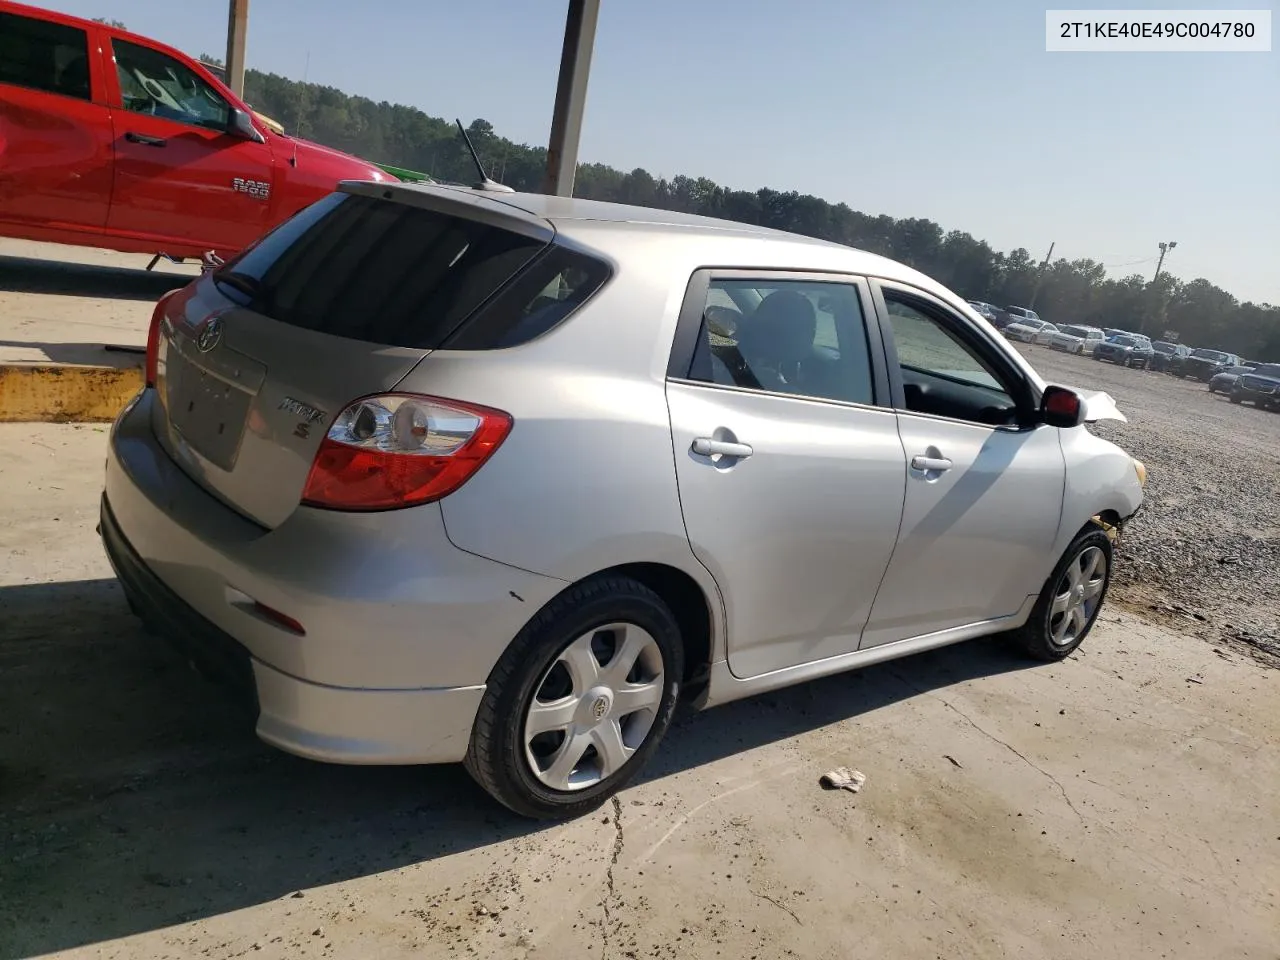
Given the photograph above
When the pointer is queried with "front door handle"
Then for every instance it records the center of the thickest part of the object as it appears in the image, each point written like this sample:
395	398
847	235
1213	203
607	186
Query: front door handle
144	139
930	464
706	447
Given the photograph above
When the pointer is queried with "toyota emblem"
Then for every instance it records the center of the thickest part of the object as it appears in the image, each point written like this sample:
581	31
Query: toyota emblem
210	335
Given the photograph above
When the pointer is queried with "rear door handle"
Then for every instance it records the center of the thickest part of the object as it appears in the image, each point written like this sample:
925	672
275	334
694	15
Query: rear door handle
706	447
930	464
144	139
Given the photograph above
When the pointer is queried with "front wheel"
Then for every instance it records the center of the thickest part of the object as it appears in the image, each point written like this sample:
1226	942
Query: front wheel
1071	599
579	700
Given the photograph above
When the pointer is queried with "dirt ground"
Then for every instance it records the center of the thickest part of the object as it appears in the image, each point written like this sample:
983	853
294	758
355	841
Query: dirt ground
1121	804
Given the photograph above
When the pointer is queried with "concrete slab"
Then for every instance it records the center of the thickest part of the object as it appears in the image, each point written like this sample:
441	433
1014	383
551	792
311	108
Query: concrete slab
1121	804
61	309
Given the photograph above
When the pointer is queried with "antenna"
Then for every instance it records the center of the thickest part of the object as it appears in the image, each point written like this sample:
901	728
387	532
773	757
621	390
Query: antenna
484	183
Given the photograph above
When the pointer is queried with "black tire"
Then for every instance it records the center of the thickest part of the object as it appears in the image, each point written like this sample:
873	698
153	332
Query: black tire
1236	398
496	756
1035	637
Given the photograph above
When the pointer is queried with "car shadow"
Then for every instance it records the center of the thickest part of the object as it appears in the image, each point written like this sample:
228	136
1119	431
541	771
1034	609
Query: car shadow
32	275
134	795
80	354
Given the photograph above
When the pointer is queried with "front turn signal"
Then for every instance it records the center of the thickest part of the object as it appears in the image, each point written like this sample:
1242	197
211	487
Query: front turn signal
1140	469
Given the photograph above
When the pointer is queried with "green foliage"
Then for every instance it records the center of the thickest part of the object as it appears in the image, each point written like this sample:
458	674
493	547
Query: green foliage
1068	291
119	25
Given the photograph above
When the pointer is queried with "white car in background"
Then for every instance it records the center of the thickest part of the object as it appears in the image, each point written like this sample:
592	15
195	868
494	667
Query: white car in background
1076	339
1030	331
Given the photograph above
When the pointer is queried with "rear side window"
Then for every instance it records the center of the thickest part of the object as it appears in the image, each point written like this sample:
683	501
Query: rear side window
388	273
44	56
799	337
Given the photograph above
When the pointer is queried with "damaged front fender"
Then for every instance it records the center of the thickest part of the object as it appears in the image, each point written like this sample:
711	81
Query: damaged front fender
1100	406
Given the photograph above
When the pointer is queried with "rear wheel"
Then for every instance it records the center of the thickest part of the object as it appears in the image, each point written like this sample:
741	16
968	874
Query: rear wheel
579	701
1071	599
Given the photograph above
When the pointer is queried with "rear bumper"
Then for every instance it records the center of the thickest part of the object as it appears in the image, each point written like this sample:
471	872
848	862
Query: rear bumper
333	724
401	627
1248	395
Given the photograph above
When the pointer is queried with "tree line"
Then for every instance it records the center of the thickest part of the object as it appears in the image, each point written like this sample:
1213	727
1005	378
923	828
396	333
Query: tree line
1061	291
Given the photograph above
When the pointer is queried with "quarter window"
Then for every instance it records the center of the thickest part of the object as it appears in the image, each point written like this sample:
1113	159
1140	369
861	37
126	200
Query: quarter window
44	56
941	374
805	338
156	84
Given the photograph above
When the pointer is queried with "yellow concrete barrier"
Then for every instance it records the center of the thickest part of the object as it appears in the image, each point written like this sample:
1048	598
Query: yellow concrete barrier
54	393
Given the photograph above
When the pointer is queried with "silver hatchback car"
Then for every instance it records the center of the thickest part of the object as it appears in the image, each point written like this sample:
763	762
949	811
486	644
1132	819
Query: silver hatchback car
442	475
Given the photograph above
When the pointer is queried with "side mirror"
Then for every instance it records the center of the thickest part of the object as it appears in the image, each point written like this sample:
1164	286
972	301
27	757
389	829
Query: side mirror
240	124
1060	407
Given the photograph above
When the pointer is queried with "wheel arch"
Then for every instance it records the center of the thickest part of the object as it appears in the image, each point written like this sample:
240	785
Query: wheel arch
695	609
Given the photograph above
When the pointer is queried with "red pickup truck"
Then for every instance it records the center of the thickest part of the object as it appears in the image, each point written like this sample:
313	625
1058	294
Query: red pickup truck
108	139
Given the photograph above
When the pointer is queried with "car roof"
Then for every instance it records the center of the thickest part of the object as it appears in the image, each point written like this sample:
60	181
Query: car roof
68	19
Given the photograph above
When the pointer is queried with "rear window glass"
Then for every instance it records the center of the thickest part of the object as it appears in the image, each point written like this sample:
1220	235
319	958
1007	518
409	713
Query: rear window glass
44	56
1075	331
1214	355
388	273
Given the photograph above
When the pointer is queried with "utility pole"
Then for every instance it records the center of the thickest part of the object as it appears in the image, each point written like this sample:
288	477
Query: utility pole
1040	276
237	30
1164	248
571	96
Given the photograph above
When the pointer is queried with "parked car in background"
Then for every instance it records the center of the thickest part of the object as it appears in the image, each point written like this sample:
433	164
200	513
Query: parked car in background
1260	386
1030	331
1166	353
1128	350
1076	339
378	528
109	139
1225	381
1203	364
990	313
1018	314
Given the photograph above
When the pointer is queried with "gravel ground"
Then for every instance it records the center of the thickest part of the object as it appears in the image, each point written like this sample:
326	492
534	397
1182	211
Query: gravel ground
1204	553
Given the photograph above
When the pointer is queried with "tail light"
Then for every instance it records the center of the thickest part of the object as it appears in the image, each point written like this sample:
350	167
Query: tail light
398	449
153	338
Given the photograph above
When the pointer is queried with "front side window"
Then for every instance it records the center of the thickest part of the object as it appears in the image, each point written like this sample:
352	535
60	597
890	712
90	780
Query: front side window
44	56
1213	355
941	374
159	85
805	338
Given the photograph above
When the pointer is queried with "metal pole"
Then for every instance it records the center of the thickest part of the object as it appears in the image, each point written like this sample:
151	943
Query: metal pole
1159	263
1040	276
1164	248
237	30
571	96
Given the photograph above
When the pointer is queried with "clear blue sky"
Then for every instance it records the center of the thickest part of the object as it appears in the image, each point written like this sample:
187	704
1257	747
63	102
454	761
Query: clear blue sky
945	109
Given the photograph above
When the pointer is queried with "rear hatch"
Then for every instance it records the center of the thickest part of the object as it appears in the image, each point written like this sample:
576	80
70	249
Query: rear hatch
256	360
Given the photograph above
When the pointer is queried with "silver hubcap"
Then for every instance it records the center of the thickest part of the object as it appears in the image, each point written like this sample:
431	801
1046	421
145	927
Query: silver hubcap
594	707
1076	598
